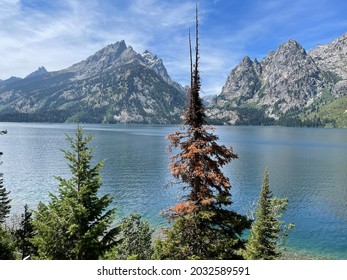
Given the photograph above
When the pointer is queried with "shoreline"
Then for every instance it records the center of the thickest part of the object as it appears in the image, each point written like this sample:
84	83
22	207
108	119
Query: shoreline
297	254
289	253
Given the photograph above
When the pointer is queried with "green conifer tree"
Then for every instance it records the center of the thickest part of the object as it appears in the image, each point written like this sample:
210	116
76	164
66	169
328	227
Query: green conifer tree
268	232
5	206
25	233
136	240
6	244
76	223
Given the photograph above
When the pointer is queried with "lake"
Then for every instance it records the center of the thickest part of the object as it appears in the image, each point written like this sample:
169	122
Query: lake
306	165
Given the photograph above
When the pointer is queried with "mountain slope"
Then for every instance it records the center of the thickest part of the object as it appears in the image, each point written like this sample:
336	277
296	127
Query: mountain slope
116	84
332	60
285	87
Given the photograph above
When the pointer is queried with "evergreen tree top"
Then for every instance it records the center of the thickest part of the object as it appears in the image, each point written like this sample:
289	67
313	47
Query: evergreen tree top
195	114
267	233
81	228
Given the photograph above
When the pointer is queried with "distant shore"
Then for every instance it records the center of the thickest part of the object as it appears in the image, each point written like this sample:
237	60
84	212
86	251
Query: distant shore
292	254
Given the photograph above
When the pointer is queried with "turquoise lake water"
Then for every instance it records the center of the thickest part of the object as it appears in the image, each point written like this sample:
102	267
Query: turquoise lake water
306	165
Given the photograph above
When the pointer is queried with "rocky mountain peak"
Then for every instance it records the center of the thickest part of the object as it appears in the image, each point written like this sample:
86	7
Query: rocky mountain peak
113	51
98	62
287	55
246	62
289	62
156	64
241	83
115	55
129	55
116	84
40	71
291	46
285	79
150	57
332	59
332	56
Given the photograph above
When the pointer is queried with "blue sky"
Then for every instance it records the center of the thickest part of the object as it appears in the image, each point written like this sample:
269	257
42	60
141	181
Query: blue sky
59	33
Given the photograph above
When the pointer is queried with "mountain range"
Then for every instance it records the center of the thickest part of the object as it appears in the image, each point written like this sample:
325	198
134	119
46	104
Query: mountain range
290	86
116	84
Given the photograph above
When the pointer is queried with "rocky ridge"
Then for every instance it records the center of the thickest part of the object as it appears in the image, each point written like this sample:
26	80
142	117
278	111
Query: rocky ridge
116	84
288	83
332	59
40	71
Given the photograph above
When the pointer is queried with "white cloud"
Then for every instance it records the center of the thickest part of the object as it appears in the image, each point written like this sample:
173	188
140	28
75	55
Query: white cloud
59	37
31	38
61	33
